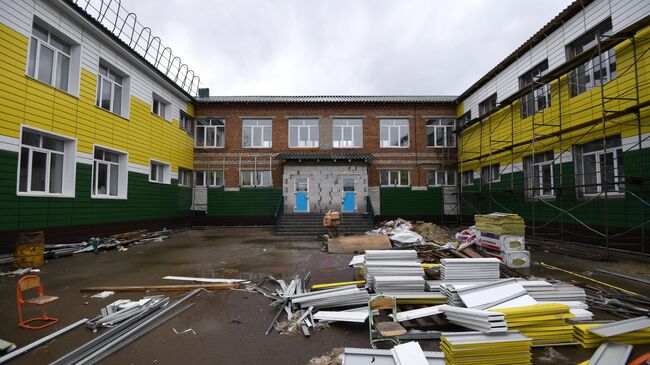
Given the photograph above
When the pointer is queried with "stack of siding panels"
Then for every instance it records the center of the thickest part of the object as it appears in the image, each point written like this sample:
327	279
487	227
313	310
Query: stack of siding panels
479	320
394	263
474	348
344	296
543	323
470	269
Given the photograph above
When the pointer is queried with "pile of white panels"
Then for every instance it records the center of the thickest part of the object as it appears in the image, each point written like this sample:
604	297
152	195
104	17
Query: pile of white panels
558	293
479	320
393	284
392	263
470	269
344	296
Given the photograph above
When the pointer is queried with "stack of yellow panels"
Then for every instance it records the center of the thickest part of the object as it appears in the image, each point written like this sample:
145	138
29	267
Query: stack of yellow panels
501	224
486	348
589	339
544	323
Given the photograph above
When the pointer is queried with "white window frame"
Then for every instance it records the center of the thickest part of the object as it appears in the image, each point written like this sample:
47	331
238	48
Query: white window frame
254	176
355	125
392	126
218	124
255	127
184	177
442	177
467	178
69	164
538	99
398	173
446	127
587	70
208	178
488	105
494	169
186	123
122	166
165	174
534	175
296	125
619	179
111	71
162	102
55	58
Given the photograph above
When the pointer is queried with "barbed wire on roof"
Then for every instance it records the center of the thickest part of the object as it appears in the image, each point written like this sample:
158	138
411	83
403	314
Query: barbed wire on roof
125	25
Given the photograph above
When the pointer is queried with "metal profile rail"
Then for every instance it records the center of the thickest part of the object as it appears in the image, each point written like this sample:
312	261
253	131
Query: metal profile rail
120	336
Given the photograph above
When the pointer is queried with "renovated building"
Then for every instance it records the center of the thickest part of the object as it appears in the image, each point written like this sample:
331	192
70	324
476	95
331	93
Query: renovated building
103	129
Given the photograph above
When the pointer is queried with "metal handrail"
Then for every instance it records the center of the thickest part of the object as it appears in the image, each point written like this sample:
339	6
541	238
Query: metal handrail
370	209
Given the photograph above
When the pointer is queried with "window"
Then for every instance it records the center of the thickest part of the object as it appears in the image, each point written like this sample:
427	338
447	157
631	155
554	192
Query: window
600	164
490	173
465	118
487	105
538	170
160	172
347	133
252	178
441	178
257	133
394	132
49	58
46	164
109	90
160	107
184	176
440	133
394	178
208	178
538	99
599	69
186	123
468	178
210	133
109	174
303	133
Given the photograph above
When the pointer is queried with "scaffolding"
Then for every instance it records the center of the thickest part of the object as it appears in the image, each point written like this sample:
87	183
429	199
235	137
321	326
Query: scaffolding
554	131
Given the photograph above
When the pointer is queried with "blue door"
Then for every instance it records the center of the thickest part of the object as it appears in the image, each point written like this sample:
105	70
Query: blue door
302	195
349	196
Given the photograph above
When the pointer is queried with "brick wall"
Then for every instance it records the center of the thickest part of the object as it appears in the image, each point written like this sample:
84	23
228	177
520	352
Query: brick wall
417	157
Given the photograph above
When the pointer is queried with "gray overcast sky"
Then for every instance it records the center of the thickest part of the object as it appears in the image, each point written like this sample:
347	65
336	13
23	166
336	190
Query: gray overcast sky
370	47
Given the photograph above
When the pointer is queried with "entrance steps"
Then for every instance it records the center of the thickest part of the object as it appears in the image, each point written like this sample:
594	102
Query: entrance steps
311	224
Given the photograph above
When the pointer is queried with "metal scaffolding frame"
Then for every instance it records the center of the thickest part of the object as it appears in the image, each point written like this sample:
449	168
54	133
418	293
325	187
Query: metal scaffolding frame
548	130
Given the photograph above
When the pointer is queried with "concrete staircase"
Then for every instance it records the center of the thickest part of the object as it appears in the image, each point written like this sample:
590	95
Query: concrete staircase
311	224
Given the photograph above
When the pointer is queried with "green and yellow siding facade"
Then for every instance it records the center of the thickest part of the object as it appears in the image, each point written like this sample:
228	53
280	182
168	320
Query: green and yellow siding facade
28	103
568	215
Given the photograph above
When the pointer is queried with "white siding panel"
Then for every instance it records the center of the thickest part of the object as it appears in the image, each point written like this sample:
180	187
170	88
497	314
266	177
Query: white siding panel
625	13
17	15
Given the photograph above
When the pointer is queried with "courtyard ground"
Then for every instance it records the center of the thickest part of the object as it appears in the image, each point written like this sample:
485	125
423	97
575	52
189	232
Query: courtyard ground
229	325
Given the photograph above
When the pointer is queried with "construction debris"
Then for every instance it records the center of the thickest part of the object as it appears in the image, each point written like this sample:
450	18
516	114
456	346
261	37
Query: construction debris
357	356
160	288
357	243
204	280
123	309
479	320
610	353
469	269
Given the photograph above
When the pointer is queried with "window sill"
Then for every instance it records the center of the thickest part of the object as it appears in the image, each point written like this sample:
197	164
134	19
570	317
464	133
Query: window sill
610	195
160	182
110	112
304	147
257	148
394	186
400	147
44	195
157	116
438	147
341	148
52	87
108	197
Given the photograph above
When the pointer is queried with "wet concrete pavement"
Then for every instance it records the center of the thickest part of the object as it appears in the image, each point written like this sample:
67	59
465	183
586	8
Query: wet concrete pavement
229	325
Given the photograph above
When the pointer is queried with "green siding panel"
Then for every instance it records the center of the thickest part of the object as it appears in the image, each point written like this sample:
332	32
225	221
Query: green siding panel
407	202
627	212
247	202
146	201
